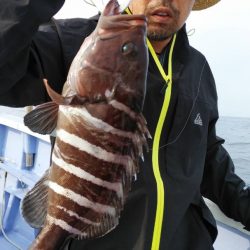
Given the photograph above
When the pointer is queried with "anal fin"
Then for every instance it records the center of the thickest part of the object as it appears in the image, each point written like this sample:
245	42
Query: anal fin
107	224
34	204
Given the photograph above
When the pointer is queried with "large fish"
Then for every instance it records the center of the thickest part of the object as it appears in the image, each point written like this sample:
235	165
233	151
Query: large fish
100	134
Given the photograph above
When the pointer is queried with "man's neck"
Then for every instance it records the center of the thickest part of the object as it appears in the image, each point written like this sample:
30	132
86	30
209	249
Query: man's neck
160	45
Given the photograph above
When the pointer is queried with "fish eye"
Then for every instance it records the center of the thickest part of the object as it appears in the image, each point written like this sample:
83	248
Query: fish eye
129	48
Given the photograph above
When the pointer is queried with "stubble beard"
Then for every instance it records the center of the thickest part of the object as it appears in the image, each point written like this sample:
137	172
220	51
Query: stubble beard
160	33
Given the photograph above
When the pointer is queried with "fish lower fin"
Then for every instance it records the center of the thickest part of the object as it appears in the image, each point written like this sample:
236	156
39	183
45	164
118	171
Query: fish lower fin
43	118
34	204
107	224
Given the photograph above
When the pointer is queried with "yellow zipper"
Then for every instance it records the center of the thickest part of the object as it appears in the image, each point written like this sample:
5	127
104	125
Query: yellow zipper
156	141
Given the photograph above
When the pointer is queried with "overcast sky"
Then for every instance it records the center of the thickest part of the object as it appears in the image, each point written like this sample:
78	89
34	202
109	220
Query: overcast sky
222	33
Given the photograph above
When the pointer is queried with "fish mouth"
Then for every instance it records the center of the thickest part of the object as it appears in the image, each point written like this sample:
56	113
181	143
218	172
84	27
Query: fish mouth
113	26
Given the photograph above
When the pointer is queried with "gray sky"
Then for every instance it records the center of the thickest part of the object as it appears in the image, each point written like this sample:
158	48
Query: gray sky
222	34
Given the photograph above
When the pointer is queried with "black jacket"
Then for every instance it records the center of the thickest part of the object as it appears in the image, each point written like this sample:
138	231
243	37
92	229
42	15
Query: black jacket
193	162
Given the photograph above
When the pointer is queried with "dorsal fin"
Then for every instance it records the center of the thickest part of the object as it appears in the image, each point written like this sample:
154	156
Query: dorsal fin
55	97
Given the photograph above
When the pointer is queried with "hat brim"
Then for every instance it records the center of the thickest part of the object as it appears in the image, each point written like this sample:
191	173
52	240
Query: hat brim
204	4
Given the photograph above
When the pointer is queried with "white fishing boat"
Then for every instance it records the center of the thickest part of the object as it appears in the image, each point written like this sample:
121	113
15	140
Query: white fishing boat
24	156
232	235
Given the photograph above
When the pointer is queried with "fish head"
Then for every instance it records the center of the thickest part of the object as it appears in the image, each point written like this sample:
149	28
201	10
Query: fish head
113	60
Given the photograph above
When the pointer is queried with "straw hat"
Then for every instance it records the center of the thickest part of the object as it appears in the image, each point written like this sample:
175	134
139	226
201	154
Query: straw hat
203	4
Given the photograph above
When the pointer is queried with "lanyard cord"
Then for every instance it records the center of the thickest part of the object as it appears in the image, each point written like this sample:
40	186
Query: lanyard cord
167	78
156	141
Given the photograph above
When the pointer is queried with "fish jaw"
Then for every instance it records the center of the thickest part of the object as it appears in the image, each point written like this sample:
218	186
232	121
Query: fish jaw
103	67
114	56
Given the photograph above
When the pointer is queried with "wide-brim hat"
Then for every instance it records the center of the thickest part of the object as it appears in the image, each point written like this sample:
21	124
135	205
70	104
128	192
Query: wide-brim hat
204	4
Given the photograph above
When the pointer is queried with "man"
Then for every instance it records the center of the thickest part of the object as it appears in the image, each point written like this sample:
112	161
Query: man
165	209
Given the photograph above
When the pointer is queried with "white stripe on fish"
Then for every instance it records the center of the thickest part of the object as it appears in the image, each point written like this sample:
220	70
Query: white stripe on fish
141	122
117	187
120	106
81	200
73	214
83	113
96	151
65	226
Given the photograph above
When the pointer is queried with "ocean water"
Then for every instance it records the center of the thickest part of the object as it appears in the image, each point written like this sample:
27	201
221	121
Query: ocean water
236	132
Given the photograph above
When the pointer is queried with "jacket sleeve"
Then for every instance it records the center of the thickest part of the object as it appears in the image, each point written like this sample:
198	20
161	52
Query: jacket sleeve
23	51
220	183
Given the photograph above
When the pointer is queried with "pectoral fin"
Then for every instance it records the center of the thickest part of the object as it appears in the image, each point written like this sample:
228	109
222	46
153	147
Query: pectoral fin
43	118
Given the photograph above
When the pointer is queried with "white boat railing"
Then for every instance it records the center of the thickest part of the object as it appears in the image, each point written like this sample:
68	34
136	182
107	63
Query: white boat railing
231	234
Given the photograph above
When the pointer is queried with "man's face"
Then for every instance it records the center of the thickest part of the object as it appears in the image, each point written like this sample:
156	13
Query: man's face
165	17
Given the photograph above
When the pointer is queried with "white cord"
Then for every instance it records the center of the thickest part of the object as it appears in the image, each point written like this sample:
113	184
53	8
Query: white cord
90	2
191	32
100	4
2	190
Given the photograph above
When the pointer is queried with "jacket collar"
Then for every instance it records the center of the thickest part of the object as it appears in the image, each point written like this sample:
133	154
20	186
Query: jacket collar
181	52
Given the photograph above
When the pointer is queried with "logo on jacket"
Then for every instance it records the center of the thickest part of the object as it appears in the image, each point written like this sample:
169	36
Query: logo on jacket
198	120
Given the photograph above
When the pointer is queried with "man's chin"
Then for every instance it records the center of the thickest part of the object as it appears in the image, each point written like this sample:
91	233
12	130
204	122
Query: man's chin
158	36
159	33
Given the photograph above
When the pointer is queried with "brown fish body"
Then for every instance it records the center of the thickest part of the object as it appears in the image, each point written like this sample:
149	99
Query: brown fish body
100	132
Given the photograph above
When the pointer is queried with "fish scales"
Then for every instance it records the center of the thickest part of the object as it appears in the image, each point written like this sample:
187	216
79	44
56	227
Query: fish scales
109	140
84	174
116	121
79	154
66	204
70	217
95	167
100	134
91	189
